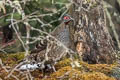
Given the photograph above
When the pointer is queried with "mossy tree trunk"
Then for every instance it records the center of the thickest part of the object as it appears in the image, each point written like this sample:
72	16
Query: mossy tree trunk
90	34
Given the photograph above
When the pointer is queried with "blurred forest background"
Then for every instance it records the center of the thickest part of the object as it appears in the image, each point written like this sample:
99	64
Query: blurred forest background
46	15
49	13
45	12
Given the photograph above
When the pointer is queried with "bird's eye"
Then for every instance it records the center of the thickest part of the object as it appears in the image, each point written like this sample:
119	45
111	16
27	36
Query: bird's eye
66	17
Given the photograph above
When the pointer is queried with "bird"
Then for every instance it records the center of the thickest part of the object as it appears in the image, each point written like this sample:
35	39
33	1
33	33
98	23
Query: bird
50	50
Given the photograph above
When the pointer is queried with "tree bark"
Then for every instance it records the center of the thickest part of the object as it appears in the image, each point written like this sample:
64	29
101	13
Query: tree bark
90	34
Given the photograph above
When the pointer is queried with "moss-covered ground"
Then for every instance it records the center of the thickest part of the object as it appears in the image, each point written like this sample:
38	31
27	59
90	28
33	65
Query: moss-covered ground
64	69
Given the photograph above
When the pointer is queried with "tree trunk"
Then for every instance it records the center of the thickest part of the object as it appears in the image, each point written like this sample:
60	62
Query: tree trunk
90	34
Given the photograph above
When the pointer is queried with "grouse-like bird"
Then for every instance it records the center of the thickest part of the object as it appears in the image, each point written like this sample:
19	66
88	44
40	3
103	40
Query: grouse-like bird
52	49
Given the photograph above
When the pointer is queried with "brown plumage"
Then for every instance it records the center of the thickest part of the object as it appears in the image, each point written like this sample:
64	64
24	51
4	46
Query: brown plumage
61	33
52	49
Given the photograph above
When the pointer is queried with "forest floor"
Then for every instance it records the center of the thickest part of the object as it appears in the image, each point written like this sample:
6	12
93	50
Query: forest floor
82	71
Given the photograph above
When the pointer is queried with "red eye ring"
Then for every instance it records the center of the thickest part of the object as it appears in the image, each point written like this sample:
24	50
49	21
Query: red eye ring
66	17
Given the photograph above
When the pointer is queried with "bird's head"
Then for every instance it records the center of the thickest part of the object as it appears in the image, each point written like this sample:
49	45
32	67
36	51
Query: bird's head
67	18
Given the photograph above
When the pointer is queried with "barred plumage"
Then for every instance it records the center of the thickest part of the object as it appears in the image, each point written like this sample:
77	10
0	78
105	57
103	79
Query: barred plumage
52	48
55	51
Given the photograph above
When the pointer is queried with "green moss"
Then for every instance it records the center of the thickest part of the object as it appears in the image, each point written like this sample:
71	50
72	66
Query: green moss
64	69
68	72
17	56
12	58
103	68
94	76
63	63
